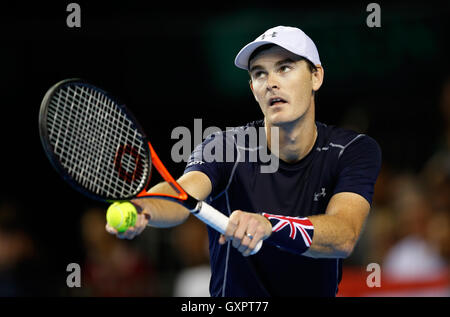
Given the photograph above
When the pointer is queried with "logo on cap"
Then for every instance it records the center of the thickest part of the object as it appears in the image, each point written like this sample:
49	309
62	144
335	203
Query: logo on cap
274	34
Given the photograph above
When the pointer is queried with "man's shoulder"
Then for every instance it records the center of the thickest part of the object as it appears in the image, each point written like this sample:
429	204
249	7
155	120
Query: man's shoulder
342	136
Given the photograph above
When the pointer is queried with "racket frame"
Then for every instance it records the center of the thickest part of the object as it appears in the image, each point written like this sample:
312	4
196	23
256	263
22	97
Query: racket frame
153	159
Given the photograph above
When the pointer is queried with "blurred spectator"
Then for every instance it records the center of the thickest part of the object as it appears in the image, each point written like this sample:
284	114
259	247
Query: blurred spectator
379	232
436	174
422	206
438	232
412	210
436	177
413	256
191	241
408	230
112	267
22	272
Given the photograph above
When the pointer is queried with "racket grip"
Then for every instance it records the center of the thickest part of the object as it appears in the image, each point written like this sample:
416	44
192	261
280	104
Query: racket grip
215	219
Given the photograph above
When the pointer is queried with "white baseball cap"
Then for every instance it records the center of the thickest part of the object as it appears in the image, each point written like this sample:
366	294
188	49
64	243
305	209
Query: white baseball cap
289	38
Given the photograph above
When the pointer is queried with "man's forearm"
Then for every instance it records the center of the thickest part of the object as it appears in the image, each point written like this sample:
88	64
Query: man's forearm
323	236
333	237
163	213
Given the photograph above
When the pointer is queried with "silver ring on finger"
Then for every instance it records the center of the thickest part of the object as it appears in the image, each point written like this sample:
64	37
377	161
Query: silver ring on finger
249	236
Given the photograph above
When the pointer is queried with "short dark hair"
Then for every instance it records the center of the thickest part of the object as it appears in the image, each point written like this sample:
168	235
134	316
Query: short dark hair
312	68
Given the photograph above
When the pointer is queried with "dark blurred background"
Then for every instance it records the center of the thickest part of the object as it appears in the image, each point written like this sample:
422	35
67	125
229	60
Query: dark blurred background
172	63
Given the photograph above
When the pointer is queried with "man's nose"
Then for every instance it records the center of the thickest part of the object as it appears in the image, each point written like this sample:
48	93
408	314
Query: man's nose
272	82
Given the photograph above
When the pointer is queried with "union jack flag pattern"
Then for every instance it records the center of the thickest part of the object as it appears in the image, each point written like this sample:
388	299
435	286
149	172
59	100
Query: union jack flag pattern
288	238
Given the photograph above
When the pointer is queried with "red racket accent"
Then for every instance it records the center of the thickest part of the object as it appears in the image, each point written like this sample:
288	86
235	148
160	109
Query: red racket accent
123	174
182	195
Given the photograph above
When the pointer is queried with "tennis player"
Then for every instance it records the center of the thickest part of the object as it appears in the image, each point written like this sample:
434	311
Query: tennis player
309	212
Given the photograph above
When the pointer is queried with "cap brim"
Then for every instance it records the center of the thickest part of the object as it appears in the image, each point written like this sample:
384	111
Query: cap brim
244	54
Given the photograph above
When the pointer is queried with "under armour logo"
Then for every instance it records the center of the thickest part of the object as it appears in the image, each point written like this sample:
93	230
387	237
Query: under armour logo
274	34
317	195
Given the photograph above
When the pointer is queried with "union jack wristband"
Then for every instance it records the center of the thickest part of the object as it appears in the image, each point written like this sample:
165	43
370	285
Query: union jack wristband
284	233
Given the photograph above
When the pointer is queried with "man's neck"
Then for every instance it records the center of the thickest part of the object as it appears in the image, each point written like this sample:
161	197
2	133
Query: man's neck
296	139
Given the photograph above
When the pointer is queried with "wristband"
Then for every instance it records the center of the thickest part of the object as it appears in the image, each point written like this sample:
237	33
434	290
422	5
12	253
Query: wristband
290	233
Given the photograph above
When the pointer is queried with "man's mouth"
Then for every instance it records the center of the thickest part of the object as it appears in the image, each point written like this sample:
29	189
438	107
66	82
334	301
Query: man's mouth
276	101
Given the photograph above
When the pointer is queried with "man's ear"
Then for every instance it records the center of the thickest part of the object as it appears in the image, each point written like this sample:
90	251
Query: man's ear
317	78
251	87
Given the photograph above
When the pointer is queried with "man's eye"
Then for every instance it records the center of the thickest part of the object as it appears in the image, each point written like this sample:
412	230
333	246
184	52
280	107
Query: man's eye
259	74
284	69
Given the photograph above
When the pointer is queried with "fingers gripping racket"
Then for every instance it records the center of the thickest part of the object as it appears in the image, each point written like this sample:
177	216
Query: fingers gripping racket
99	148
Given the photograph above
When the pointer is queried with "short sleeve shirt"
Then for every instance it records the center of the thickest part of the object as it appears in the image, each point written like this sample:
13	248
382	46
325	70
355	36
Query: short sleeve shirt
340	161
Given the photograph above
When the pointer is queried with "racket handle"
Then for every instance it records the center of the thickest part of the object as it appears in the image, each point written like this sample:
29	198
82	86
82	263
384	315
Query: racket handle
217	220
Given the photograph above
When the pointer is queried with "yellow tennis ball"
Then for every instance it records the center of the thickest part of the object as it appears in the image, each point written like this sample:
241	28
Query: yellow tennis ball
121	215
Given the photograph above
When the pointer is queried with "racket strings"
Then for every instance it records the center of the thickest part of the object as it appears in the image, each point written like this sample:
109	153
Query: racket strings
93	131
87	129
68	152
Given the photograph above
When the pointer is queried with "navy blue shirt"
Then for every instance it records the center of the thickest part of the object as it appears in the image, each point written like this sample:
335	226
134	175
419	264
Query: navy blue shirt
340	161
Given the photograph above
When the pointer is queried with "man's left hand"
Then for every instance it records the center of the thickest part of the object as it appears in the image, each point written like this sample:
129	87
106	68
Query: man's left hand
245	230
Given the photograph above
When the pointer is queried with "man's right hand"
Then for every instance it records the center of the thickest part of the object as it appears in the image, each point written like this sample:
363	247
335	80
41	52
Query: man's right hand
141	222
164	213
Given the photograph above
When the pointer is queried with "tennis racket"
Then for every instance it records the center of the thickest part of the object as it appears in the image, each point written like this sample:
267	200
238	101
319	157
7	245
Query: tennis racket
99	148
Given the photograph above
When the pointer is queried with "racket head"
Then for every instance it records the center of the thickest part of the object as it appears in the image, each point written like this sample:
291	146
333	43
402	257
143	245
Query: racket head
94	142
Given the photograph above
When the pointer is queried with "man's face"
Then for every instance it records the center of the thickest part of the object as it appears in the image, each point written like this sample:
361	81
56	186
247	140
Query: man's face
283	85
